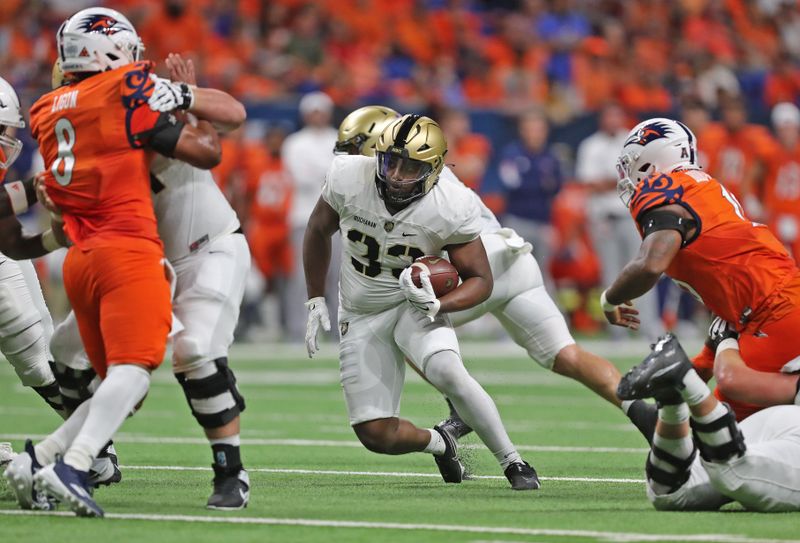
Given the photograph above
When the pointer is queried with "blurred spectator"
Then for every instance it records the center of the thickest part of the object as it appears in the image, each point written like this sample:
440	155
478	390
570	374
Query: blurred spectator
307	154
467	151
574	266
530	176
782	180
710	135
614	235
738	159
782	84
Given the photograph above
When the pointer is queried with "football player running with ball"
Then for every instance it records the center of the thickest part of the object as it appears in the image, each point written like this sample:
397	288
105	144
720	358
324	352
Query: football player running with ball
390	210
518	299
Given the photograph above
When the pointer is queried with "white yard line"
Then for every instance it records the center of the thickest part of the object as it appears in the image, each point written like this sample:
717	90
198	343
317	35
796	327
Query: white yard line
627	537
379	474
254	442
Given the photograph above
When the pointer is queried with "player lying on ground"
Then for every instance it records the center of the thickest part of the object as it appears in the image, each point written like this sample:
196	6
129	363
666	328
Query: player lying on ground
518	299
95	136
695	231
392	209
756	463
206	248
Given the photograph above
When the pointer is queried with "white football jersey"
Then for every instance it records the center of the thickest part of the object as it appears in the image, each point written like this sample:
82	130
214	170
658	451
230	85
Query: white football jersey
376	245
490	222
190	209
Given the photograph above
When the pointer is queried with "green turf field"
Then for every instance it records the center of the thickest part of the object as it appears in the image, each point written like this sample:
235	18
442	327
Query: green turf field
311	480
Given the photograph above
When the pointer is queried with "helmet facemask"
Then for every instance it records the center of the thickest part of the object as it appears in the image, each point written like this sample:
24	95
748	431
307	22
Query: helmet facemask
401	179
353	146
10	148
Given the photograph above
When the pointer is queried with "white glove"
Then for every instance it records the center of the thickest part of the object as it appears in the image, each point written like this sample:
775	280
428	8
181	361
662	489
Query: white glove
169	96
423	299
317	315
515	242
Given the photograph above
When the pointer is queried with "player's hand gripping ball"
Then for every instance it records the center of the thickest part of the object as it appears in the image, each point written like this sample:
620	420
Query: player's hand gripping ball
443	275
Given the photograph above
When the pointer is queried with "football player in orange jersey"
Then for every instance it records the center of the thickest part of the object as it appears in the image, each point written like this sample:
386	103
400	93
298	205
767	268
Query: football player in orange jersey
695	231
782	182
95	136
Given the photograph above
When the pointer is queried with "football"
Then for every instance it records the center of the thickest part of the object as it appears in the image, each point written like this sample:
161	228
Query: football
444	276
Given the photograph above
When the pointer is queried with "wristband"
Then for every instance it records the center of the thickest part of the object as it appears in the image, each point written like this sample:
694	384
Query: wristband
727	343
49	241
17	196
607	307
187	97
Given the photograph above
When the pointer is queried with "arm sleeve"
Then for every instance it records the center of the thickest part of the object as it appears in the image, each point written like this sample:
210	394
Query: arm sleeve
144	127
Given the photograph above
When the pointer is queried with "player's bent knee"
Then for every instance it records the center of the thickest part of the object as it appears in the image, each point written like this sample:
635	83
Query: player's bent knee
26	352
212	393
445	370
76	386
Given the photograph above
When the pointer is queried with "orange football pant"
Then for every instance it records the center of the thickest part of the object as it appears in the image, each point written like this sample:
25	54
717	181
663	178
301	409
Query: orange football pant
121	298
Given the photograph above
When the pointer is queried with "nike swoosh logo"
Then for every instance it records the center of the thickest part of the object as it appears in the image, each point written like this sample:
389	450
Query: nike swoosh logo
243	494
408	235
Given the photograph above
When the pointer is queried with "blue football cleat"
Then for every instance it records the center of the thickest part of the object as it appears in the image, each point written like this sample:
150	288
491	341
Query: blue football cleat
68	485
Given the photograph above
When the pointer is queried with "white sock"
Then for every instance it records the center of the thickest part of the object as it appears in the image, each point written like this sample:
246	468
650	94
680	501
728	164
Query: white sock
674	414
436	445
695	390
59	441
233	441
447	373
123	388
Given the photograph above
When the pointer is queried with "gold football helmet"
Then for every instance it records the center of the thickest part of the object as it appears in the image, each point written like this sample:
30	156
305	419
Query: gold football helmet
410	155
360	130
57	76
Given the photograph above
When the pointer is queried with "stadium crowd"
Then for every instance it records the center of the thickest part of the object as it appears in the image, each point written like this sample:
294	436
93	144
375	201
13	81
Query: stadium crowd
535	97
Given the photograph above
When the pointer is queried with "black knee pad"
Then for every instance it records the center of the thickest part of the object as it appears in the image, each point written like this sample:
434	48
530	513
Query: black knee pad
220	382
671	480
76	386
719	453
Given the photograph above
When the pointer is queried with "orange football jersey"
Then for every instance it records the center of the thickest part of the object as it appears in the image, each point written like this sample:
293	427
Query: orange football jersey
782	181
93	136
730	264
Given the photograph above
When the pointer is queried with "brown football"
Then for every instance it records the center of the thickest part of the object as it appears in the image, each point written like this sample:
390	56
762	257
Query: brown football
444	276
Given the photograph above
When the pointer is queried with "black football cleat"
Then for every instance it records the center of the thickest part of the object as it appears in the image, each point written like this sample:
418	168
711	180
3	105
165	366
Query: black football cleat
659	376
231	491
522	476
105	468
454	425
449	464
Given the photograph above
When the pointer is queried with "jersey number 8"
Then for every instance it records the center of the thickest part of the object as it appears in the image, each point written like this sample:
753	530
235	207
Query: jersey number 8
65	162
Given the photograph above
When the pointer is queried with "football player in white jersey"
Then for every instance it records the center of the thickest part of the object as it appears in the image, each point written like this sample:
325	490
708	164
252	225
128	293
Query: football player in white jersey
204	244
756	462
519	299
390	210
25	322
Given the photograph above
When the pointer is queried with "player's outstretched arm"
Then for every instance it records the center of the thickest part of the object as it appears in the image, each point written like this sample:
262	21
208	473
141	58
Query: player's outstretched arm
639	276
219	108
743	384
473	267
322	224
